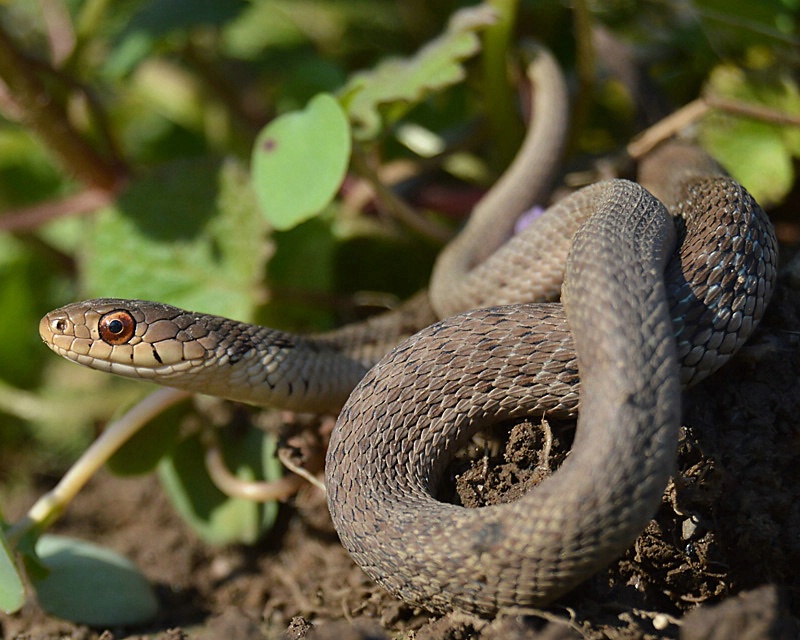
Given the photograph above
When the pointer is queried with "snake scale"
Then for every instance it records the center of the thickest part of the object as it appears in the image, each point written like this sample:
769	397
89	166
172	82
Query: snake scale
656	296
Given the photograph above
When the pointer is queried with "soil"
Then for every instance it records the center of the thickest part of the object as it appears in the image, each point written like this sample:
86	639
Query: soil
719	560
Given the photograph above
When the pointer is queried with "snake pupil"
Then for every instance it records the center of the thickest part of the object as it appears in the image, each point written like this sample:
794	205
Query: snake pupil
117	327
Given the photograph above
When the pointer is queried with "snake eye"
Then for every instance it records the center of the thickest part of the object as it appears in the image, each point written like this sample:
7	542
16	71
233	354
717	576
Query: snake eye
117	327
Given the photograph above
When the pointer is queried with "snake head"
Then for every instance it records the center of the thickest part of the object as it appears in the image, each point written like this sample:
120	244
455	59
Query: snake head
119	336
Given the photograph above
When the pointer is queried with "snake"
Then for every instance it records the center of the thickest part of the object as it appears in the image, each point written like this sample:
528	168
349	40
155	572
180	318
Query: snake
659	287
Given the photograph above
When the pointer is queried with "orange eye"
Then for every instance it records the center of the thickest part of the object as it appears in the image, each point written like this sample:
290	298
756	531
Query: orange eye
117	327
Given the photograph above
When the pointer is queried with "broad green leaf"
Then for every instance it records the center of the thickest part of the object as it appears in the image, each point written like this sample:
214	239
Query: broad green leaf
27	172
18	146
92	585
26	546
383	263
12	591
260	27
21	271
757	153
217	518
189	234
736	25
273	26
150	444
299	162
754	153
333	257
392	87
303	261
172	92
305	77
158	18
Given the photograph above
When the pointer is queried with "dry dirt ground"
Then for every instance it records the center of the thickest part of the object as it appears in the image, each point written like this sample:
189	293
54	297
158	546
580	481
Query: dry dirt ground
720	560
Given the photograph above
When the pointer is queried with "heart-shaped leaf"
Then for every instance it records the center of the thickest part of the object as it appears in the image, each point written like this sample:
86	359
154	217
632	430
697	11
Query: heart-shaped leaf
299	162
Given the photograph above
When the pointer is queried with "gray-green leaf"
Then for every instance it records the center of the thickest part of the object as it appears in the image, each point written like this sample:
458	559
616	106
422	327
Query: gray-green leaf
395	85
92	585
217	518
12	591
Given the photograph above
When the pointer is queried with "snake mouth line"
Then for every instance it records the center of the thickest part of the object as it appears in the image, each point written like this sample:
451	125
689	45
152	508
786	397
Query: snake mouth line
164	373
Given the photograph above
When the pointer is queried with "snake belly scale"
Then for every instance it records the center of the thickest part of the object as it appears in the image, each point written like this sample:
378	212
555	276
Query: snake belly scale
640	318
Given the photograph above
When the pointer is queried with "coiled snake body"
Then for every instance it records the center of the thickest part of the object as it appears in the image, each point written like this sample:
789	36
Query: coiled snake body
639	319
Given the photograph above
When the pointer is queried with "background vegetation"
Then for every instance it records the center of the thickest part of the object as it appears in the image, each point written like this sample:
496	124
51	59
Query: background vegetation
127	131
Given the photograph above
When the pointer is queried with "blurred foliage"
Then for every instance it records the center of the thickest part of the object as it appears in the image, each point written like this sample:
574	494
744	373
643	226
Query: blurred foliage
217	518
92	585
770	150
12	589
126	129
170	96
192	221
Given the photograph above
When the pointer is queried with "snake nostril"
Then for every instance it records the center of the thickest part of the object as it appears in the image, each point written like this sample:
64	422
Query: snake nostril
117	327
61	325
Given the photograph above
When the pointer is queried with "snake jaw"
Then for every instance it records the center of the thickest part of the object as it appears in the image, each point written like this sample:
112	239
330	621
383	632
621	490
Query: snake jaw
187	350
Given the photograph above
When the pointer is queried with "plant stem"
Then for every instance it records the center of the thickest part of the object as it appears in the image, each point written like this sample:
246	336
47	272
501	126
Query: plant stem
697	109
584	64
753	111
505	125
234	487
398	207
49	120
51	505
31	217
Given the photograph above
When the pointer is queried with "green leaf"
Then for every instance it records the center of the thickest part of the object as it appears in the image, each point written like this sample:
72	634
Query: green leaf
20	273
189	234
757	153
12	590
261	27
158	18
92	585
217	518
150	444
303	261
299	162
733	26
753	152
391	88
335	255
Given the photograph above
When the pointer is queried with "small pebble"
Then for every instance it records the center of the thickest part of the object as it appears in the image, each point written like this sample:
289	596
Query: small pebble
689	527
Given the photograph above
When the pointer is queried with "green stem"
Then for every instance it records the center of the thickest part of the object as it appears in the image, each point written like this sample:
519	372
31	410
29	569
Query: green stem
90	18
50	506
585	63
505	126
394	204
